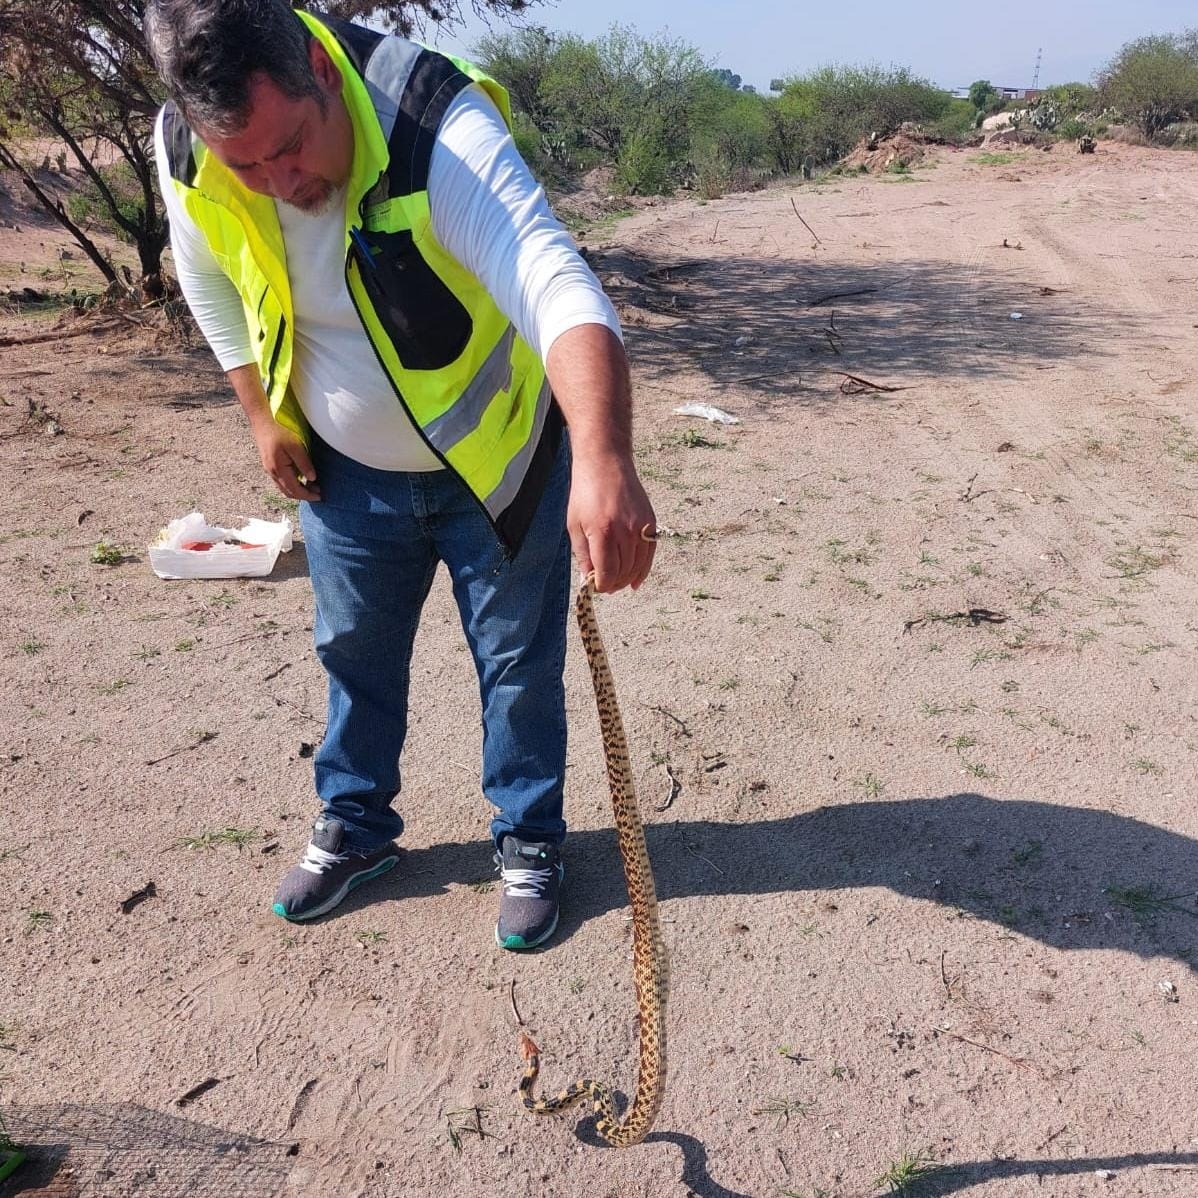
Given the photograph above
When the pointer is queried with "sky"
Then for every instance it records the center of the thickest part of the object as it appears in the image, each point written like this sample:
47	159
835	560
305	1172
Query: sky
950	42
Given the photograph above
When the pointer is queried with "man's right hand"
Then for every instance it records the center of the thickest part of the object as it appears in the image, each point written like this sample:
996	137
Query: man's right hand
285	459
282	453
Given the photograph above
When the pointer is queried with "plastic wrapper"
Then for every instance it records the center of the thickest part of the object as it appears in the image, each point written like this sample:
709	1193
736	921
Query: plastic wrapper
706	411
190	547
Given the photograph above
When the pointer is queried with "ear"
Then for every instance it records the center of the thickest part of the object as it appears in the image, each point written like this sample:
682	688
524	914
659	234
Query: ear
324	68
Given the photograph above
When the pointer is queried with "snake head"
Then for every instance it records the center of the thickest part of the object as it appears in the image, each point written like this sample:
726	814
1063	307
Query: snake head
528	1049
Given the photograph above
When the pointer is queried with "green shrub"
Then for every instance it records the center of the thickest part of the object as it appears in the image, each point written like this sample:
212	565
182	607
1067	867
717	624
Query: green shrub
730	141
1153	81
957	123
831	109
88	208
1074	128
1071	98
643	165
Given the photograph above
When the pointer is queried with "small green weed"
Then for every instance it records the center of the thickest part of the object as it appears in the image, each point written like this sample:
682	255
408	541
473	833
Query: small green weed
783	1108
211	839
985	656
368	936
1143	901
105	553
1031	852
691	438
1133	563
39	920
871	786
904	1175
839	553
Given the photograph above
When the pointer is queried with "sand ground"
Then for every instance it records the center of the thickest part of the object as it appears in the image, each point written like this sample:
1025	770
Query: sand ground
929	882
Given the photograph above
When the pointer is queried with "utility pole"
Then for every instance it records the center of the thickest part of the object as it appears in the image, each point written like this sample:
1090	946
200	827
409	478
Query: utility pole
1036	76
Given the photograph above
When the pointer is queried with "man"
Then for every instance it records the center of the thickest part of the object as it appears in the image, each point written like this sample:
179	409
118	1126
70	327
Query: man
407	328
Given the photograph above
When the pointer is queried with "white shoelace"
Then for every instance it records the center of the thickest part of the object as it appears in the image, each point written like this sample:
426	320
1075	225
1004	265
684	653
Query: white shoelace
318	861
525	883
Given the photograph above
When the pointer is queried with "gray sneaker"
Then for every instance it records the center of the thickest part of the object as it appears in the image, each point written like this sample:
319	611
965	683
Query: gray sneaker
328	873
532	876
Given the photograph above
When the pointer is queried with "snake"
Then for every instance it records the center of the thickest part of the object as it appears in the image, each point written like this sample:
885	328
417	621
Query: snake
649	966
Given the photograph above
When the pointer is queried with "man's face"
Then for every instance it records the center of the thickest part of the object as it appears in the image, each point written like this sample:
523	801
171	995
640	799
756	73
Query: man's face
297	151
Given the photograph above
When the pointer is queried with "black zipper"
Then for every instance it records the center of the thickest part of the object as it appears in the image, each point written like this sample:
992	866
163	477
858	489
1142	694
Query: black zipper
507	550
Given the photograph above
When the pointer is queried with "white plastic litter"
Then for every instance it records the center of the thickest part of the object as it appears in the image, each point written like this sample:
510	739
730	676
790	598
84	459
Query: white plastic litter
1016	315
706	412
228	557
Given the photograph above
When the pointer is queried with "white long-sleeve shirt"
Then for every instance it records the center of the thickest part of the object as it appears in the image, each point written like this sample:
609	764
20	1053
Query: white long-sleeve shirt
487	211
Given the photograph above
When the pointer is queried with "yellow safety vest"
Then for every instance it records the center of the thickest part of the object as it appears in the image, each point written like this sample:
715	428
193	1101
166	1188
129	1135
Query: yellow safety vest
473	388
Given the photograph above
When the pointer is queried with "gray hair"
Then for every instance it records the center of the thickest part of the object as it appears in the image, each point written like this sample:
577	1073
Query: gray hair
207	51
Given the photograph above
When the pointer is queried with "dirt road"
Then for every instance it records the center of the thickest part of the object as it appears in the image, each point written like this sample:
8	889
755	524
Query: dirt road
921	655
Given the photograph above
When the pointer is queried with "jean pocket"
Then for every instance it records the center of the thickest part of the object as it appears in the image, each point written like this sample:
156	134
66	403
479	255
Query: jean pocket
428	325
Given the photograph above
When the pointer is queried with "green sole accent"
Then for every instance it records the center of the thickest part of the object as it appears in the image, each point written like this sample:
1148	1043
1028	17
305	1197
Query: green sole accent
518	944
354	882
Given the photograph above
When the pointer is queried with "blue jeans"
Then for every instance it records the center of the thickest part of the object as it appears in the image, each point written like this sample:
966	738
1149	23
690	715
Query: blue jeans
373	543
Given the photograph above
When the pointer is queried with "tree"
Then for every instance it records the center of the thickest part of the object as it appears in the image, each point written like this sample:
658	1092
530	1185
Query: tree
822	115
981	92
76	72
726	78
521	59
1153	80
408	16
622	98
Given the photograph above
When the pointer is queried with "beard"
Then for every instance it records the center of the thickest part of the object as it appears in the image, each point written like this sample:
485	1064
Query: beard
315	198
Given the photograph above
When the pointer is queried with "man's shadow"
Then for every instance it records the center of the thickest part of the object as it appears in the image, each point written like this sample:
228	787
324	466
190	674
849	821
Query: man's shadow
1052	873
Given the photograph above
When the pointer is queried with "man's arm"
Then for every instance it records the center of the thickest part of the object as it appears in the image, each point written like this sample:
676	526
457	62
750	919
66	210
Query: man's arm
280	451
492	215
217	309
609	510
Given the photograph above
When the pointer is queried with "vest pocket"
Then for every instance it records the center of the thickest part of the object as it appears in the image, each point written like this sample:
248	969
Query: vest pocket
426	322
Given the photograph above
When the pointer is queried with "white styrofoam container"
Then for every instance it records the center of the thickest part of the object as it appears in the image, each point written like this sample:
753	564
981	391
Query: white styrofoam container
169	560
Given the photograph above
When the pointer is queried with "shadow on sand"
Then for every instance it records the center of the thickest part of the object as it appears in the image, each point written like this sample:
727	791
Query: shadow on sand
1051	873
888	321
77	1151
